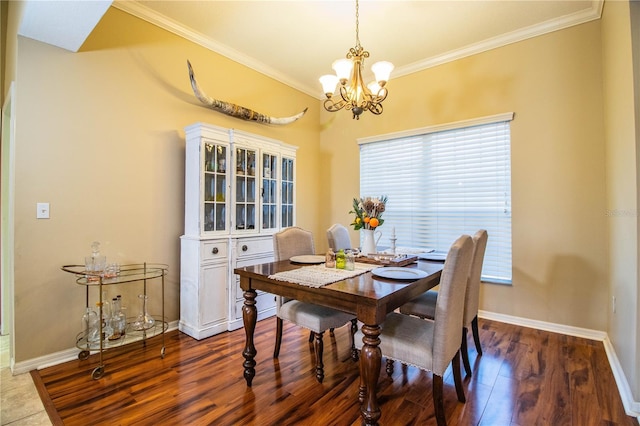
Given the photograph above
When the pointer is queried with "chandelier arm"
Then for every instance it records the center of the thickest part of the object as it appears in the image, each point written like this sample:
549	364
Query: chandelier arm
333	106
344	94
375	109
380	96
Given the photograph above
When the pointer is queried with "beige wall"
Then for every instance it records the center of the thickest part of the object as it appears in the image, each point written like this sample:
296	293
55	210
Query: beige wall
100	137
621	121
553	83
4	10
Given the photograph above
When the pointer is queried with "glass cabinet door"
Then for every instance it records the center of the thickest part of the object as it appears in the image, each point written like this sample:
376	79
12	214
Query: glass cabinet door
215	187
287	192
269	191
245	203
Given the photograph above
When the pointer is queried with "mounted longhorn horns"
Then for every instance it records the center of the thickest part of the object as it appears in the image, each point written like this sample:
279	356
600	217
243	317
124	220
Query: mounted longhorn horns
236	110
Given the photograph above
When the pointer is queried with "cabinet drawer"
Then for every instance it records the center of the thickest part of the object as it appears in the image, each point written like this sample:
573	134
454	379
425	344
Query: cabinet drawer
250	247
214	250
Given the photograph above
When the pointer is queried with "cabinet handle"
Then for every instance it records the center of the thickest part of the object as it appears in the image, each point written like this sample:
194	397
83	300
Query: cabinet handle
245	248
214	250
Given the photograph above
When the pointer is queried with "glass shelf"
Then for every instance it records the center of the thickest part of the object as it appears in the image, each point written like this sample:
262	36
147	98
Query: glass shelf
131	335
128	273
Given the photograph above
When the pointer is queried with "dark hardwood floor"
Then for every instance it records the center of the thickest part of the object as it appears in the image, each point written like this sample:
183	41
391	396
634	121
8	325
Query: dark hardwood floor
525	377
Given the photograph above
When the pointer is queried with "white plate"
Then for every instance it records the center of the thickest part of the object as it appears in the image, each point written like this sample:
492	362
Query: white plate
397	273
435	255
308	258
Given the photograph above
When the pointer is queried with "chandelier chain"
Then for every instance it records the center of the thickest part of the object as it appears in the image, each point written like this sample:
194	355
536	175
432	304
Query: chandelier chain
357	25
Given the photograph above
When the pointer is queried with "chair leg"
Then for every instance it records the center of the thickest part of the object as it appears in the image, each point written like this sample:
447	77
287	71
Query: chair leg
438	400
464	352
318	346
276	350
310	336
331	331
390	367
457	377
354	328
476	334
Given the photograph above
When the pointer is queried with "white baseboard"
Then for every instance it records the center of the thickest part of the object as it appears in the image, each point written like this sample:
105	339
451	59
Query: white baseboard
546	326
56	358
631	407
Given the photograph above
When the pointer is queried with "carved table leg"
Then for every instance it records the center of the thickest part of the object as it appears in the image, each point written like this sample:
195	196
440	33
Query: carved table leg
249	317
370	361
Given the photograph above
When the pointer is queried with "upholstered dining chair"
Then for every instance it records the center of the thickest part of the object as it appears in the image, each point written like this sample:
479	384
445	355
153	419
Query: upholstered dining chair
432	345
338	237
296	241
424	305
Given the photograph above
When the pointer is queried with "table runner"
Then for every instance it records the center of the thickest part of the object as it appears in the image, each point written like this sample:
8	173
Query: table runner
319	275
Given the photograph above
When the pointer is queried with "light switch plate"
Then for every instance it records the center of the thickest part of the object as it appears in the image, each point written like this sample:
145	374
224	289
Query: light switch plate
42	211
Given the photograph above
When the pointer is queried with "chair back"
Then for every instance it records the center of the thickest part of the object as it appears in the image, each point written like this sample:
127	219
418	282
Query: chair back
450	303
338	237
293	241
472	297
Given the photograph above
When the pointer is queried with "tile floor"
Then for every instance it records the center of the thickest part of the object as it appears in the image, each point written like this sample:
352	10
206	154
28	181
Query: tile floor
20	404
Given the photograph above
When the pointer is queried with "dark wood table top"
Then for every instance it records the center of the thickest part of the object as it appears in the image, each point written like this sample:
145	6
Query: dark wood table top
368	296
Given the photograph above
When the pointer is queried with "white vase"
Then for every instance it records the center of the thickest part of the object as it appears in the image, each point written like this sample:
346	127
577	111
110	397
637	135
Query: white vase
370	241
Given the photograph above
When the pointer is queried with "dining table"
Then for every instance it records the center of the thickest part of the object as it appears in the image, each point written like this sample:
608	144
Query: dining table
369	296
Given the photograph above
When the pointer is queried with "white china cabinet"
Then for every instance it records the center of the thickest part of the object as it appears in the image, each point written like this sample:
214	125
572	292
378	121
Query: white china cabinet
239	191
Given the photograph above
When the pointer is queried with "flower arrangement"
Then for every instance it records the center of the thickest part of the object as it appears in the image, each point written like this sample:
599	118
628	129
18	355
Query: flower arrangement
368	212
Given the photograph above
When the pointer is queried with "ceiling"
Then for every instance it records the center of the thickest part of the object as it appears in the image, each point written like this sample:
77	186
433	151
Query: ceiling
296	41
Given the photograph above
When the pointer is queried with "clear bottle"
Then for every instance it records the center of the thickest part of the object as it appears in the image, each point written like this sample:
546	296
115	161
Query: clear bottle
118	320
330	259
107	330
90	325
106	308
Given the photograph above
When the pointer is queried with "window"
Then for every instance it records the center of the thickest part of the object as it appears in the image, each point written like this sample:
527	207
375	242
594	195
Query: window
443	182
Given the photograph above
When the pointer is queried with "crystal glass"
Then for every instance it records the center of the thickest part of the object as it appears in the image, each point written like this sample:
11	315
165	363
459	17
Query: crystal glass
350	261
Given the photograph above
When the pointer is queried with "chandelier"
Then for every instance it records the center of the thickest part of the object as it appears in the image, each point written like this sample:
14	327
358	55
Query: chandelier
354	95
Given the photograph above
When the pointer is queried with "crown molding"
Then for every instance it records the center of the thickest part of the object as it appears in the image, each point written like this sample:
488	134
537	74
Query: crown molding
148	15
505	39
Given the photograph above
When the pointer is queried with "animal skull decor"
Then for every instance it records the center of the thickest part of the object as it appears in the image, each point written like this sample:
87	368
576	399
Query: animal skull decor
236	110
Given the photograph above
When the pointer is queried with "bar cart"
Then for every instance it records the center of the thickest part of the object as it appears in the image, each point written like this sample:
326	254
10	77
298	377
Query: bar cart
134	330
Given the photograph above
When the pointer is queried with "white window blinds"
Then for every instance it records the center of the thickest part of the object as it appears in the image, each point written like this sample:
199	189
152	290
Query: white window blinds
442	184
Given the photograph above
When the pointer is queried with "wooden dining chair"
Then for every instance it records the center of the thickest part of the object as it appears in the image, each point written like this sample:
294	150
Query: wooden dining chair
338	237
432	345
424	305
295	241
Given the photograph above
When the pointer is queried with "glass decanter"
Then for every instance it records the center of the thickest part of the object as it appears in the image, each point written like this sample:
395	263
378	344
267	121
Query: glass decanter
144	321
91	326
